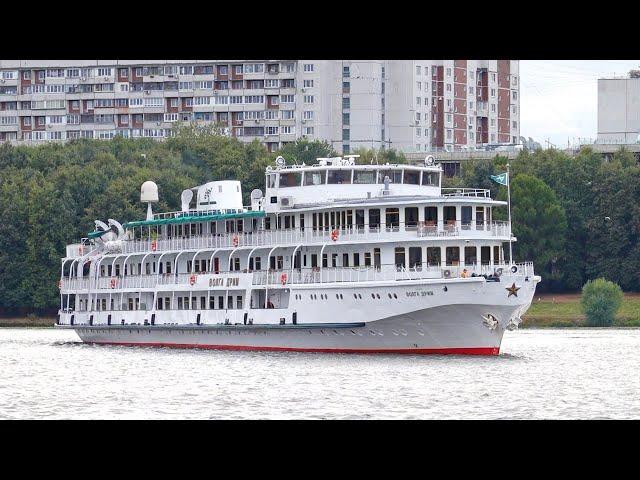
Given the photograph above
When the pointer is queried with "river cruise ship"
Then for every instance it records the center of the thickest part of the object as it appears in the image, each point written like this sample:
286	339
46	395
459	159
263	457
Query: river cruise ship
333	257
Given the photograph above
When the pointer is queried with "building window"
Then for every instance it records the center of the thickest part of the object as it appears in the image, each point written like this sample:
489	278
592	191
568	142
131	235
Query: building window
346	134
308	67
307	83
418	70
345	71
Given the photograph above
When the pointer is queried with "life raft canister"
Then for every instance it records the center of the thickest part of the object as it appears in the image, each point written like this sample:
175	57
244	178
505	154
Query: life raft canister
154	245
192	280
334	235
113	283
283	278
236	241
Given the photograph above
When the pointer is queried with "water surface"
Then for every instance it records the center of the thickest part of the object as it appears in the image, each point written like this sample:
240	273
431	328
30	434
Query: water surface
550	373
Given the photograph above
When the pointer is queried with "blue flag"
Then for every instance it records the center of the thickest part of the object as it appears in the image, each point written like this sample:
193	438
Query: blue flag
502	179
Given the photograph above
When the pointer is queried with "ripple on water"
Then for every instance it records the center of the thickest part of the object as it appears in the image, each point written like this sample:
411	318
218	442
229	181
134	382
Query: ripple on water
555	373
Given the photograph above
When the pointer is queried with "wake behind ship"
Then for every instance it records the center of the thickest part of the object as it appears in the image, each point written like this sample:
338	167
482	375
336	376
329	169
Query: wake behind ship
333	257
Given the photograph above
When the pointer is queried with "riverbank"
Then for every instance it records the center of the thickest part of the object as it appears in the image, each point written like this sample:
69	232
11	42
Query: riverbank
29	321
564	310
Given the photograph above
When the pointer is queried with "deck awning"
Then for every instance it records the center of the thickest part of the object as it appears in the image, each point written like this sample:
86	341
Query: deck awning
196	218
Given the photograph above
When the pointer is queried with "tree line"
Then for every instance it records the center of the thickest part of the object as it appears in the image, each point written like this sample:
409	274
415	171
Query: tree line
576	217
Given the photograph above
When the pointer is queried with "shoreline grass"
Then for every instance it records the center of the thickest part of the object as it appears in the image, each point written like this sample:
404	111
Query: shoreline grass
564	310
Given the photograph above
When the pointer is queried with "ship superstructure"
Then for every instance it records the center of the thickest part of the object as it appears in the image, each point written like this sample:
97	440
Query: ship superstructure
335	257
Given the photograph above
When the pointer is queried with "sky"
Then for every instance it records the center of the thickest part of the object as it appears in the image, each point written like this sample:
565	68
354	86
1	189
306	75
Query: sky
559	98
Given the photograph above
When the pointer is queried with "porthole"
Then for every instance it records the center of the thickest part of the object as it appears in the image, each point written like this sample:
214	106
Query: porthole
341	297
373	295
378	296
337	297
395	296
389	295
355	296
360	296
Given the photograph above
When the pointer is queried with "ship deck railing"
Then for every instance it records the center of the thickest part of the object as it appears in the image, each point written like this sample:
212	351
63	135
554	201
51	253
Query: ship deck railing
384	273
309	235
284	277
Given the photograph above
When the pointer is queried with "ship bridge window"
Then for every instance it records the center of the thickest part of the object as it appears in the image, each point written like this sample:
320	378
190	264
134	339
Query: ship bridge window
433	256
314	178
394	175
430	179
412	177
271	180
364	177
290	179
339	177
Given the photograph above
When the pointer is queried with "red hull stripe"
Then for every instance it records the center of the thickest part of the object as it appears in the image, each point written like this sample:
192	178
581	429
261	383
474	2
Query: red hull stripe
411	351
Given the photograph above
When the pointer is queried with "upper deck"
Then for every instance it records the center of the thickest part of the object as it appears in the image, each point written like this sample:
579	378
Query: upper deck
340	180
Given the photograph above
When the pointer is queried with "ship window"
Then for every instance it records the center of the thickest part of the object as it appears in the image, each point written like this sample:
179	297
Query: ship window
411	216
415	257
453	255
339	176
356	259
159	303
179	303
374	218
470	255
466	217
430	179
367	259
345	259
167	303
394	175
239	302
203	303
290	179
230	302
400	260
450	215
334	259
212	303
360	219
392	218
364	177
433	256
430	215
221	302
412	177
314	178
271	180
485	255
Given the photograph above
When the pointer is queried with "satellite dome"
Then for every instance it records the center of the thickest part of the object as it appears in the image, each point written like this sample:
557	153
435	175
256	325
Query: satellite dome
149	192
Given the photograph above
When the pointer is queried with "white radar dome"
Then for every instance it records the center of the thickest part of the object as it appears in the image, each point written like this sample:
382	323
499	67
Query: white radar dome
256	193
149	192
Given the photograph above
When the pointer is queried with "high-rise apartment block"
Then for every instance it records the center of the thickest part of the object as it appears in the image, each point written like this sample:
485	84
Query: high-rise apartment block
619	109
409	105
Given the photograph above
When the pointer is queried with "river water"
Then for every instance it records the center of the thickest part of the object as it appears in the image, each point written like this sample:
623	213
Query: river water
550	373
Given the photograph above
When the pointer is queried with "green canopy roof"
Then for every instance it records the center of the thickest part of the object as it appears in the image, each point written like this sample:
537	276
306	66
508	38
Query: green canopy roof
97	233
195	218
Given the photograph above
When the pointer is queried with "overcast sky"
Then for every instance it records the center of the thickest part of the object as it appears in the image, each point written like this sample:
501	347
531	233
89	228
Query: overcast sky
559	98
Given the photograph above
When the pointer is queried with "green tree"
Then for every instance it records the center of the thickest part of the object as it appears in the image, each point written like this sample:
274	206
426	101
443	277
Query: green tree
540	224
601	299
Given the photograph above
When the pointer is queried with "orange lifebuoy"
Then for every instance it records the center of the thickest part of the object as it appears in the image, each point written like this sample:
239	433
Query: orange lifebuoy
192	280
112	284
334	235
236	241
283	278
154	245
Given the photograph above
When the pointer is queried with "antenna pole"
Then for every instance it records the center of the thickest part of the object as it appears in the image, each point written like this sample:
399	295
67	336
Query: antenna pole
509	206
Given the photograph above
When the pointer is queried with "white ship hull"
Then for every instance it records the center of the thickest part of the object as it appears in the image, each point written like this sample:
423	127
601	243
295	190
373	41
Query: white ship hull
423	319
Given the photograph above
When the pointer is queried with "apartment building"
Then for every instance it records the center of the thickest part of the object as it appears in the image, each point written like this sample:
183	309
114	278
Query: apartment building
413	106
619	109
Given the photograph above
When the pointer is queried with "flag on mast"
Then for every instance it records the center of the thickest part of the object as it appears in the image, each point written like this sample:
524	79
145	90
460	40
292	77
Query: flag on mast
502	179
